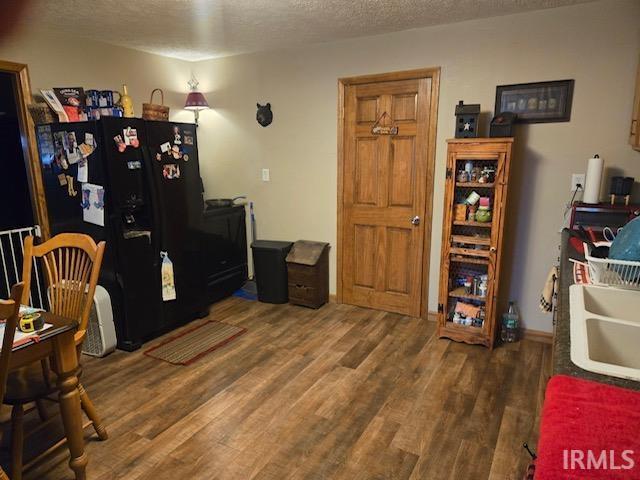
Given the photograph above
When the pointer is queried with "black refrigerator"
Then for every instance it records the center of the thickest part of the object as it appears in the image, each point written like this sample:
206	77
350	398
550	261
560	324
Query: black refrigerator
135	184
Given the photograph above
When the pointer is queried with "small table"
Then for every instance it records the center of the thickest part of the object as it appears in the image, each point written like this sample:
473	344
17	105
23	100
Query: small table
58	342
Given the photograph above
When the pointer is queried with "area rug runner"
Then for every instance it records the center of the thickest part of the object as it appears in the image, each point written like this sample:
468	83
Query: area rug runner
192	344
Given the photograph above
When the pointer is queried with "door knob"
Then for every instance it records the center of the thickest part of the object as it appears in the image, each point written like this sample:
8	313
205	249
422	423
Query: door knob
415	220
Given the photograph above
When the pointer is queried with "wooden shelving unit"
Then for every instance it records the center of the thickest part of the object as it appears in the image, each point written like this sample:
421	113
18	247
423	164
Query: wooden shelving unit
470	248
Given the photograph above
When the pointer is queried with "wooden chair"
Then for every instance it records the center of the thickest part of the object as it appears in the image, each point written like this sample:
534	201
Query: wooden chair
8	311
71	264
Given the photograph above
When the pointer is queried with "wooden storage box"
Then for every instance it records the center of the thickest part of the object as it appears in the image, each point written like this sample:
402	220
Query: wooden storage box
308	273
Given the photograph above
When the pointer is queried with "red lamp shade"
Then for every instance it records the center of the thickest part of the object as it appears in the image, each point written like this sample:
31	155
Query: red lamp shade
196	101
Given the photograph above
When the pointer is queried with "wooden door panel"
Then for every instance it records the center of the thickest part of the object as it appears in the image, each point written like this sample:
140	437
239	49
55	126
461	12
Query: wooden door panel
384	187
364	274
402	172
399	267
365	176
367	109
404	106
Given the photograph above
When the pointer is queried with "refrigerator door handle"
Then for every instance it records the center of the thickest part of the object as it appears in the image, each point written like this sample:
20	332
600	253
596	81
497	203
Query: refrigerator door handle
156	233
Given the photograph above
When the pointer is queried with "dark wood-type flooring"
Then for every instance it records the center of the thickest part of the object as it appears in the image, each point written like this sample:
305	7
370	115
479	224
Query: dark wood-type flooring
337	393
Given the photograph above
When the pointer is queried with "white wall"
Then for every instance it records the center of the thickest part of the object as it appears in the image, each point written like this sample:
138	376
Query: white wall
596	44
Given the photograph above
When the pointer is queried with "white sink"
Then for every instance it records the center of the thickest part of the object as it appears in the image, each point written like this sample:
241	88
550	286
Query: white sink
605	330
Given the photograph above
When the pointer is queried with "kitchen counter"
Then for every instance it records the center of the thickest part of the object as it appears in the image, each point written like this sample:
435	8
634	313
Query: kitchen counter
562	363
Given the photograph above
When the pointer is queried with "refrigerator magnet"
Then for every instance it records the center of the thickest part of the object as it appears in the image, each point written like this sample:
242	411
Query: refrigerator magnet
131	137
158	156
89	140
177	138
120	143
71	191
175	152
171	171
85	149
185	157
63	162
83	171
93	204
168	281
62	179
165	147
188	139
86	199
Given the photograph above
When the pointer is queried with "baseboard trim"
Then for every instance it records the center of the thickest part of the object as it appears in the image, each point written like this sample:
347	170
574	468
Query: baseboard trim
527	334
537	336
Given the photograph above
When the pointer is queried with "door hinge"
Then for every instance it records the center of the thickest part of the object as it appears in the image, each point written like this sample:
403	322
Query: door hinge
440	308
449	173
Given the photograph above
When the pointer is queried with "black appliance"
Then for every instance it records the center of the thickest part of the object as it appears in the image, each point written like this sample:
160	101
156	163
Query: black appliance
148	209
224	247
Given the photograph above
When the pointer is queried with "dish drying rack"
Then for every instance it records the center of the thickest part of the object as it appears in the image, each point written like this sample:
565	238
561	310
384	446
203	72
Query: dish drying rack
612	273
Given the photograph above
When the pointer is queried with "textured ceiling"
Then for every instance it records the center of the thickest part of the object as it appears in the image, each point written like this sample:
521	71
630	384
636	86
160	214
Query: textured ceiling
200	29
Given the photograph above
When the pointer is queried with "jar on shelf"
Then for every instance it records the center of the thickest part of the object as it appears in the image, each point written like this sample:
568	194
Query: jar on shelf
471	213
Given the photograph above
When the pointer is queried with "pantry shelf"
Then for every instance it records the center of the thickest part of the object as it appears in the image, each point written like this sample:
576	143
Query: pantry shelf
466	223
474	185
473	240
472	328
461	293
471	250
467	259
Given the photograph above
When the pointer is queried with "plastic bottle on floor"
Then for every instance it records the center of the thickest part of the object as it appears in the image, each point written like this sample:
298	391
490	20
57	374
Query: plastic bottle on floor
510	324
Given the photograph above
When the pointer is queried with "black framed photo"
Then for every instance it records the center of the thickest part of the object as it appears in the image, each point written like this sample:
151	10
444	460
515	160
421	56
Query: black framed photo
538	102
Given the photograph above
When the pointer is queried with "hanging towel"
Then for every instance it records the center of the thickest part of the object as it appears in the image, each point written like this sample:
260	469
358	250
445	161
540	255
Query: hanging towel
549	290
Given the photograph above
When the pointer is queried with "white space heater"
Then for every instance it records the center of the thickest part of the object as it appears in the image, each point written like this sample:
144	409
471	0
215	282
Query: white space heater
101	332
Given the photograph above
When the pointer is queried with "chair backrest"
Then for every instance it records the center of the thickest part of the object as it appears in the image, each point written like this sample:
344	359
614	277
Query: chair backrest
71	264
9	310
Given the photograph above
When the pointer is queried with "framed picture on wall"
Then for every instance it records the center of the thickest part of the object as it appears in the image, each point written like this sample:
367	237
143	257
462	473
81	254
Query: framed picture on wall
536	102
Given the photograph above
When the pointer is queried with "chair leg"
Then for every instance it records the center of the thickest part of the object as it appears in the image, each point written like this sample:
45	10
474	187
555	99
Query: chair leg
90	410
42	410
17	441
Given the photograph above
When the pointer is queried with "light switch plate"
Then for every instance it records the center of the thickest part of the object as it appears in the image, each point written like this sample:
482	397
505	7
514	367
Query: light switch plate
577	178
266	175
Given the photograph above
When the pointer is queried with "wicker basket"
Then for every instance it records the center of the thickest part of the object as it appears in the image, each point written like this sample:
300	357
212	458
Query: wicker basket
153	111
41	113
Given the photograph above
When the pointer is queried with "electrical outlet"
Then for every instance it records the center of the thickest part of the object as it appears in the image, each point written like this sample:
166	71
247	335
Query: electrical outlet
577	178
266	175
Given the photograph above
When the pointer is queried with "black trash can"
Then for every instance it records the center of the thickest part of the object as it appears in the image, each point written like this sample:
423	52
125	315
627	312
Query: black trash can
270	270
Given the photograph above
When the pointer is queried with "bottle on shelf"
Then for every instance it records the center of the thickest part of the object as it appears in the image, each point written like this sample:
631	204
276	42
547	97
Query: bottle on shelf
127	103
510	324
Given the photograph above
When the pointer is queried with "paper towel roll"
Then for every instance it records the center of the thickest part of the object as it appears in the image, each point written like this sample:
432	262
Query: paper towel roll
593	180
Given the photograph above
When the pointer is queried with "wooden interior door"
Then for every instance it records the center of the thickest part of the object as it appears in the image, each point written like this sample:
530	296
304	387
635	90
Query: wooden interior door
385	185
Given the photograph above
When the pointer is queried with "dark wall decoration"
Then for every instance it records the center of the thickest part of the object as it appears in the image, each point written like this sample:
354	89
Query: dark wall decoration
536	102
264	115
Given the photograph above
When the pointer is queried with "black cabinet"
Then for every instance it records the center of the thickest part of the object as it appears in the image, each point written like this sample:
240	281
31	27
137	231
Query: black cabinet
224	251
